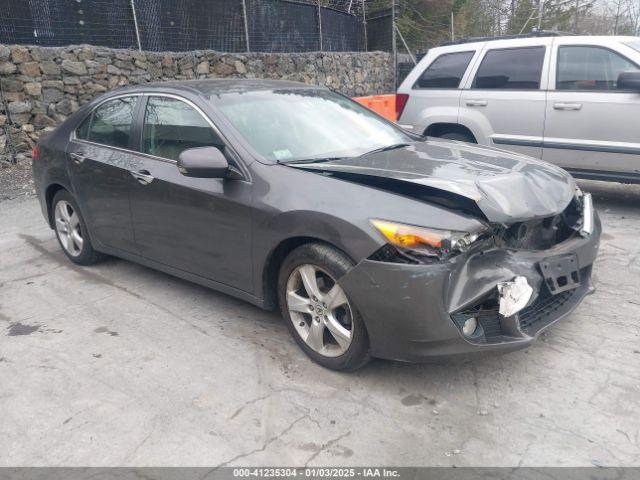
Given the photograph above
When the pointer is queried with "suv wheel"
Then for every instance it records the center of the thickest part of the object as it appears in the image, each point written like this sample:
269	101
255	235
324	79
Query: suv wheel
460	137
320	316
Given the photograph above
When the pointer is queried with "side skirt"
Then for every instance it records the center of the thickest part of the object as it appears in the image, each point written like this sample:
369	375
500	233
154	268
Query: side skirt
176	272
622	177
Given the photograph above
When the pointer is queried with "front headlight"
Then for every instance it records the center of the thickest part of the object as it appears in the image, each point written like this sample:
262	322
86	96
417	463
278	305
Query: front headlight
423	241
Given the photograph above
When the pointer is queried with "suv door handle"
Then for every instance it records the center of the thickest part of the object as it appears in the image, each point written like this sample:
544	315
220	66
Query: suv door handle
477	103
143	177
567	106
77	157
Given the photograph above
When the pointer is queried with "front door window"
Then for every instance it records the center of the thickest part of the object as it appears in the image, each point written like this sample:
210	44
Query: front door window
590	68
172	126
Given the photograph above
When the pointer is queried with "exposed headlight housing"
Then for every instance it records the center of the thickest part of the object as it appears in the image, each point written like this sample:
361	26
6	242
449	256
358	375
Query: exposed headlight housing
587	215
424	242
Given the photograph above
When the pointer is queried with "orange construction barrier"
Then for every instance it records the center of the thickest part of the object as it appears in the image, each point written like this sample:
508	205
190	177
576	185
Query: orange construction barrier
384	105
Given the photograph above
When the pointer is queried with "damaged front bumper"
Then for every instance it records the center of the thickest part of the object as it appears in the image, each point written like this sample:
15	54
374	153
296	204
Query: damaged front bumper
416	312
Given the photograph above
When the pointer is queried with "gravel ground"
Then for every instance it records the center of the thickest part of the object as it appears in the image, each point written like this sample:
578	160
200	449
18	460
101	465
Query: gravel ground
16	180
120	365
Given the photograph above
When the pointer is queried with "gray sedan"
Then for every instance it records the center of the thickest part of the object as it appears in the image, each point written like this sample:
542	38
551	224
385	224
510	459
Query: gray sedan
372	242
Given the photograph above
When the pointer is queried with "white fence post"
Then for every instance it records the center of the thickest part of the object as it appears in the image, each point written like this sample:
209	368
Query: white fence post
364	22
320	24
135	24
246	24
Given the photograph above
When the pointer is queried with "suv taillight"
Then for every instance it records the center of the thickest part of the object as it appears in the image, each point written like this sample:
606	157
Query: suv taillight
35	152
401	101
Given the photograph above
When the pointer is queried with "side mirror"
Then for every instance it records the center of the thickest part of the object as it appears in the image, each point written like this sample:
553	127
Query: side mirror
629	81
203	162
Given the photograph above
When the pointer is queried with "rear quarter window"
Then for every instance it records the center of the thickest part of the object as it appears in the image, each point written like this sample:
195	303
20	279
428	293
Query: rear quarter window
82	132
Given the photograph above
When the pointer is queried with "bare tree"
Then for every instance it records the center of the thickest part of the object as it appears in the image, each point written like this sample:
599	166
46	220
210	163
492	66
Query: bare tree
426	23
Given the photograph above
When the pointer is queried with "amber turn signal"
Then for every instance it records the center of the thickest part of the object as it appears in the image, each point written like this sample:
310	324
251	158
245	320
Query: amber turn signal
407	236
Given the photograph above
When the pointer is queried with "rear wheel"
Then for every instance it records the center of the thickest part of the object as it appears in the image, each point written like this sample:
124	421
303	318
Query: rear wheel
460	137
71	230
319	314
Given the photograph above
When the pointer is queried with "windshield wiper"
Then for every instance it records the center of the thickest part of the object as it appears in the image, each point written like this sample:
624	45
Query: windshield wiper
312	160
393	146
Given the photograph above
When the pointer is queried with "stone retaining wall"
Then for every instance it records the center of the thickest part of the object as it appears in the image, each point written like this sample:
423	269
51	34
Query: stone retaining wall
41	86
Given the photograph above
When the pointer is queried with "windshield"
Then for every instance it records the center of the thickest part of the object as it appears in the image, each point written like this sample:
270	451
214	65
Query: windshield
635	44
306	124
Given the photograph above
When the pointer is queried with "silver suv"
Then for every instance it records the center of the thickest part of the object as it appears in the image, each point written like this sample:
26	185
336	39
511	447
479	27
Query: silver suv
570	100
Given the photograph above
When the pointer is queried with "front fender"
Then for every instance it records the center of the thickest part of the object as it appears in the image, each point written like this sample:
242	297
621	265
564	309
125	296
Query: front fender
357	243
289	229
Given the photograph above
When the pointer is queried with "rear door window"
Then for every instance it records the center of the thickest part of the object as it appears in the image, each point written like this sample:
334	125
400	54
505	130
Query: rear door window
511	69
172	126
446	71
590	68
111	123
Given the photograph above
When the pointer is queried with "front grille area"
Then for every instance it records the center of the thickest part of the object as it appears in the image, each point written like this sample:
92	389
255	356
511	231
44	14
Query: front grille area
540	234
545	308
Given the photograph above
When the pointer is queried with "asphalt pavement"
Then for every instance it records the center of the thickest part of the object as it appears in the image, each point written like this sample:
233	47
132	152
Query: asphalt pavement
120	365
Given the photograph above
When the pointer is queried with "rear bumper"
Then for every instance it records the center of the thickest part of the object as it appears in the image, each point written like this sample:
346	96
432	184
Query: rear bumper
413	312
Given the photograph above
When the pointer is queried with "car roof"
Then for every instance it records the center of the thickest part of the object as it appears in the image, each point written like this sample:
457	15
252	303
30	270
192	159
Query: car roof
216	86
480	41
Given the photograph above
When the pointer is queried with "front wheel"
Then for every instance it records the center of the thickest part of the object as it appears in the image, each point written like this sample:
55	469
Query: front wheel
318	312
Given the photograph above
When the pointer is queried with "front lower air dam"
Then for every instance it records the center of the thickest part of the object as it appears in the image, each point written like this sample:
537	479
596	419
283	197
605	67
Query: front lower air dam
514	296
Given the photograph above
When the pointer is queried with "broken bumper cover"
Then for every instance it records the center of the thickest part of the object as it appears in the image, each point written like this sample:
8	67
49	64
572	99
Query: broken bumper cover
416	312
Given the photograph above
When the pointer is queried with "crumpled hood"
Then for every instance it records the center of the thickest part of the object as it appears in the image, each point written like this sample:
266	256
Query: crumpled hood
507	187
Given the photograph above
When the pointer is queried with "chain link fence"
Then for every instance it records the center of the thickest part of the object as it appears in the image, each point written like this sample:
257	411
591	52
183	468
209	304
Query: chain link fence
223	25
231	26
184	25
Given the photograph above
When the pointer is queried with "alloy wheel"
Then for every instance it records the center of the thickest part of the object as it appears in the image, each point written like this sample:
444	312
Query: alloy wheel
319	310
68	228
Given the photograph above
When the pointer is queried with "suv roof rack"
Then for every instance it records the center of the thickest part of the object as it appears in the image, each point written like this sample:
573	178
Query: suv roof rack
534	33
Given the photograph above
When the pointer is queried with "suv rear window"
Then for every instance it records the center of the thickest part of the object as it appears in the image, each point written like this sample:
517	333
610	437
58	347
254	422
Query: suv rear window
446	71
511	69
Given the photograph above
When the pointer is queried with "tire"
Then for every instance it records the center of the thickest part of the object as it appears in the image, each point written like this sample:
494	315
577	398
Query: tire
72	229
331	350
460	137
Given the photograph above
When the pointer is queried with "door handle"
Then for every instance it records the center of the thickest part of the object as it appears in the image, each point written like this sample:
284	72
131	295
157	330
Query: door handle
567	106
477	103
77	157
143	177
